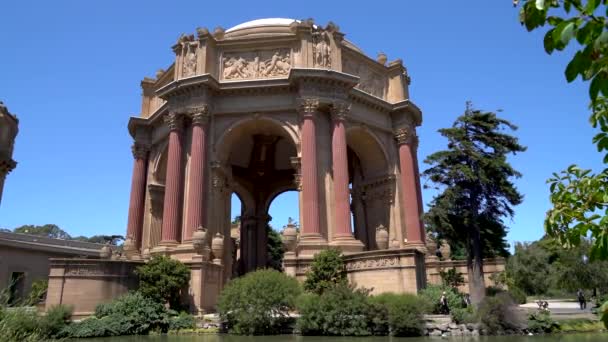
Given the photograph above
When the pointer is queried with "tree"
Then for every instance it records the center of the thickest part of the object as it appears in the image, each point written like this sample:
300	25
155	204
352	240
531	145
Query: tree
476	190
579	197
162	279
326	271
101	239
451	278
47	230
275	249
529	268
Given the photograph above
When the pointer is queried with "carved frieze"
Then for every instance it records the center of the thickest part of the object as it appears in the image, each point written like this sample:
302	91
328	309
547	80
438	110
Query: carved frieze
381	189
248	65
406	135
372	263
371	81
189	68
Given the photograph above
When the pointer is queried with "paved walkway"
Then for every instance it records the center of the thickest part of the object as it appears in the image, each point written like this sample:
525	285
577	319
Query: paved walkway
563	309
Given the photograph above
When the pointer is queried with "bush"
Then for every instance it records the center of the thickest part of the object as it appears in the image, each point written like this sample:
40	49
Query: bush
604	314
258	303
518	295
404	313
465	315
163	279
182	321
339	311
451	278
326	270
541	322
498	315
38	292
21	324
431	295
130	314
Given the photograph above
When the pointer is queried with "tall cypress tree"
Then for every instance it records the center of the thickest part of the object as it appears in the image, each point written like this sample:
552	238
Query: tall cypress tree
476	192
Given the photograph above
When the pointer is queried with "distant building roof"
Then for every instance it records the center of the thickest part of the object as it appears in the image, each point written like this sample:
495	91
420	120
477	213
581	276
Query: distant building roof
41	243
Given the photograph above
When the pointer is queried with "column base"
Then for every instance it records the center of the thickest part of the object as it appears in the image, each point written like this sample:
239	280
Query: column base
347	244
309	245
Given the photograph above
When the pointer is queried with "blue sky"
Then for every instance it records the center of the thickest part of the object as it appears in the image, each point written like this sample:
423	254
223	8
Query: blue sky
71	70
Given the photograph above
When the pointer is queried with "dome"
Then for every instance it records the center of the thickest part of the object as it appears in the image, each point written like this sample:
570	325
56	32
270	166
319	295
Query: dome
263	22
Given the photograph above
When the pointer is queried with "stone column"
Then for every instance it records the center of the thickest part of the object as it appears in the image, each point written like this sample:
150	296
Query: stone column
343	236
138	194
311	238
173	187
408	141
197	211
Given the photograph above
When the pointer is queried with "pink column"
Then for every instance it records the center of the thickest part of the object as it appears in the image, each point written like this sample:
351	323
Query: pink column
173	198
340	172
310	189
197	212
410	185
138	193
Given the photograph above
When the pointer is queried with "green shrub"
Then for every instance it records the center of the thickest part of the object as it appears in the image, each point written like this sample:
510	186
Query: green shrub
38	292
339	311
541	322
518	295
182	321
55	319
20	324
498	315
404	313
258	303
326	270
451	278
431	295
130	314
465	315
163	279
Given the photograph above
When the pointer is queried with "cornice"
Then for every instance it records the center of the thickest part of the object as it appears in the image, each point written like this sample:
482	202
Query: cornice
407	106
186	85
337	78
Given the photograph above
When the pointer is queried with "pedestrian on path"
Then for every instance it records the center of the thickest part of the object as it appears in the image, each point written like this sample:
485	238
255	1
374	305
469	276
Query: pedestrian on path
581	299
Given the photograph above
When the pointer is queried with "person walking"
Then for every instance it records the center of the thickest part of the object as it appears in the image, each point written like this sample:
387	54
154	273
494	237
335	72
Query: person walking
581	299
443	304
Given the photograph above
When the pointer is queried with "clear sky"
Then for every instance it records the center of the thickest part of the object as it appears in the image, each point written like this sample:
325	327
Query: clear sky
71	70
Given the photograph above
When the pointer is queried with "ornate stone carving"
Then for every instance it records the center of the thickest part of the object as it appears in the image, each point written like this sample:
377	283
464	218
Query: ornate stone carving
308	106
381	237
371	82
296	163
258	64
105	252
174	121
200	242
200	115
380	189
217	246
406	135
289	236
340	110
189	65
321	49
140	150
372	263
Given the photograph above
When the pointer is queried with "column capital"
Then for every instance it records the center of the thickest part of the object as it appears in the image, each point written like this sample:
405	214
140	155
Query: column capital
339	110
406	135
140	150
174	121
199	115
308	106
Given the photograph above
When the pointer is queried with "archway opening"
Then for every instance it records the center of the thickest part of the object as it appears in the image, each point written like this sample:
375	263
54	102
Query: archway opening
283	210
260	157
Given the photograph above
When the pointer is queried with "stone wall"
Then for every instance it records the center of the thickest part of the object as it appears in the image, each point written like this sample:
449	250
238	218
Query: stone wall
490	266
85	283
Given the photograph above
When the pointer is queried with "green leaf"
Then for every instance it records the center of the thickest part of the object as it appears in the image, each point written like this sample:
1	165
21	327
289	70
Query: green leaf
591	6
594	88
540	4
553	20
572	70
567	33
548	42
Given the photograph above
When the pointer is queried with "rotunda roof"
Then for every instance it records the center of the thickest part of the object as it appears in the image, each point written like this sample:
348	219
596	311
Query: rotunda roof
263	22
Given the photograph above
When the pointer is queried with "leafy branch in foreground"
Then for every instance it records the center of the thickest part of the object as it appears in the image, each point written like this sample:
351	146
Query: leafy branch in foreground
578	196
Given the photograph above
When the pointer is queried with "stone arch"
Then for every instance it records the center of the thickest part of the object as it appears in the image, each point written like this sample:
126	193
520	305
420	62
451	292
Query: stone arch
371	184
279	191
159	164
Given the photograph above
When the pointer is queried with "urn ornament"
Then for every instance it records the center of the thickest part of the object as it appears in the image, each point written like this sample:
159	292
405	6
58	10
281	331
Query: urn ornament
381	237
199	239
217	246
129	246
289	237
105	252
381	58
431	244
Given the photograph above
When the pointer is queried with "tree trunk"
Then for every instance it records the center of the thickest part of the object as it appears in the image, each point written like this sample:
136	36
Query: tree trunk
477	288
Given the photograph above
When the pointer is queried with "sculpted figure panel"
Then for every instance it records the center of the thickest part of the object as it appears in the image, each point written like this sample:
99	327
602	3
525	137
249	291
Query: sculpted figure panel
256	64
321	49
371	81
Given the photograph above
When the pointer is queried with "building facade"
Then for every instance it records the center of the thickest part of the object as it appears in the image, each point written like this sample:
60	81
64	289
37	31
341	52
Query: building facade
8	132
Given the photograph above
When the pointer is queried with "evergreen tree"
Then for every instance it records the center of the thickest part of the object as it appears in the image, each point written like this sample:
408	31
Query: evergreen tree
476	192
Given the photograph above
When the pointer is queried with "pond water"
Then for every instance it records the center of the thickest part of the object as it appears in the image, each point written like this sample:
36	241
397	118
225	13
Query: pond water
599	337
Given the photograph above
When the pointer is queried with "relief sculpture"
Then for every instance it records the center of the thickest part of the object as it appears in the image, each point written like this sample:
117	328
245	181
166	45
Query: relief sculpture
321	49
259	64
370	81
